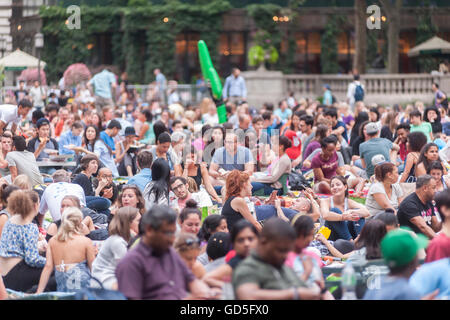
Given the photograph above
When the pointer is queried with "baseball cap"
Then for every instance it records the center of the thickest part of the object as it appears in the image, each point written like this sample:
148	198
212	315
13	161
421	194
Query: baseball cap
129	131
399	247
378	159
218	245
372	127
41	122
296	149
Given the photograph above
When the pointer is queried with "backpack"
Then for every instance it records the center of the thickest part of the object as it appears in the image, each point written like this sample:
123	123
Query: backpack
445	102
359	93
297	182
333	99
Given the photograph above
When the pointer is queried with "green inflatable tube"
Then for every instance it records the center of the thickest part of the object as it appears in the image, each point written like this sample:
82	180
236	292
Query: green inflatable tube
209	73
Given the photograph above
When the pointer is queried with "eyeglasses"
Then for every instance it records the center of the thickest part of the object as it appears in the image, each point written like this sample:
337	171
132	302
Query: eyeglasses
177	187
107	176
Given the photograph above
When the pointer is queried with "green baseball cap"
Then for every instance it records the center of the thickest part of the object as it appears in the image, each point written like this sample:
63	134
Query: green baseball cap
399	247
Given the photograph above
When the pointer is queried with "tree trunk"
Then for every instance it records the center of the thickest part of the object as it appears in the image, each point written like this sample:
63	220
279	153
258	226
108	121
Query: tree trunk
359	59
393	16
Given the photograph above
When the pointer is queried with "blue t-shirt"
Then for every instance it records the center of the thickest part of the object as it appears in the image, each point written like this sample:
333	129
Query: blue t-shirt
229	162
105	157
371	148
108	140
342	124
284	115
392	288
141	179
102	83
432	276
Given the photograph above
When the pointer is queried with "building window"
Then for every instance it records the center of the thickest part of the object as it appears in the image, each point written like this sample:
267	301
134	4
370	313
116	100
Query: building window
232	50
186	55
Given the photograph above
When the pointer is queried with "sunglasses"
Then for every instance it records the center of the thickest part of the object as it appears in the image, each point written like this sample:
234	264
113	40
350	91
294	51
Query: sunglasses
190	241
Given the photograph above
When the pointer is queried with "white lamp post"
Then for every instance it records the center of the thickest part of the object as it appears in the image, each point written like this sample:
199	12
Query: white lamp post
39	44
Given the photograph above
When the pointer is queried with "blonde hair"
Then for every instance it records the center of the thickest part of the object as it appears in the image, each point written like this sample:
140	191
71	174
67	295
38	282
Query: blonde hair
419	105
204	105
23	182
190	115
192	185
70	224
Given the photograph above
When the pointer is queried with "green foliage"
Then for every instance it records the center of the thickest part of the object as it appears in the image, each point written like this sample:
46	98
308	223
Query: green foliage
141	40
426	29
263	50
262	15
2	74
329	51
255	56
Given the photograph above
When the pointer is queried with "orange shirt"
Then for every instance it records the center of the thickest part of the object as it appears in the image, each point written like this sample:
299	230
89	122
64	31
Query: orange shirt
59	127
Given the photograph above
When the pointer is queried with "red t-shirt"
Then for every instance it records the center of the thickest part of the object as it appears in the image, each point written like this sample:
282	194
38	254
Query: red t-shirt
438	248
328	167
296	149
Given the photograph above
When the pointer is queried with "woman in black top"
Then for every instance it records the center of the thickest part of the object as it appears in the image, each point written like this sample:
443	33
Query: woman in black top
390	123
358	140
361	118
235	208
89	166
433	116
199	172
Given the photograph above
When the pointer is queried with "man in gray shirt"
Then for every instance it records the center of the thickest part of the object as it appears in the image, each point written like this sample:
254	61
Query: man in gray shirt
229	158
21	161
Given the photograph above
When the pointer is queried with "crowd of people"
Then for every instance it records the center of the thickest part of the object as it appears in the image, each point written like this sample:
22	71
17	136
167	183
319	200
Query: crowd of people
157	200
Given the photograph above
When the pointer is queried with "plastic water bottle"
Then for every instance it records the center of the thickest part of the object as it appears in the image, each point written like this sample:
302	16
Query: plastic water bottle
348	282
251	206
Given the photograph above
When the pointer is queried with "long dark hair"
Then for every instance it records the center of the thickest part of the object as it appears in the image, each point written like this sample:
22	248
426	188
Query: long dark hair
239	226
209	225
344	182
97	135
422	158
158	128
370	237
211	141
425	114
360	118
361	130
160	176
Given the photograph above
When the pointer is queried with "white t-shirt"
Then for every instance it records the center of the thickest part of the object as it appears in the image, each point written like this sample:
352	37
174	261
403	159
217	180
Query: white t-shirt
53	195
373	206
8	114
36	95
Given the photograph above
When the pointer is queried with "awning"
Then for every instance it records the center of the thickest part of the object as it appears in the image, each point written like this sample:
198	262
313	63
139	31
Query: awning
19	60
433	46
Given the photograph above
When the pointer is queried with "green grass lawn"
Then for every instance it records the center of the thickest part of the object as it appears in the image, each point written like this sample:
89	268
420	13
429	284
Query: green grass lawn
359	200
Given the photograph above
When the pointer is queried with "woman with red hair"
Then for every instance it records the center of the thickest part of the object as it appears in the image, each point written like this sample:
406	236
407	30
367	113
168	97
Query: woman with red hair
238	187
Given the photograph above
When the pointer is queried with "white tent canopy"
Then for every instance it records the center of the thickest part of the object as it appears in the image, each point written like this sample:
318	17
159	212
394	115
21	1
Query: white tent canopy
433	45
20	60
